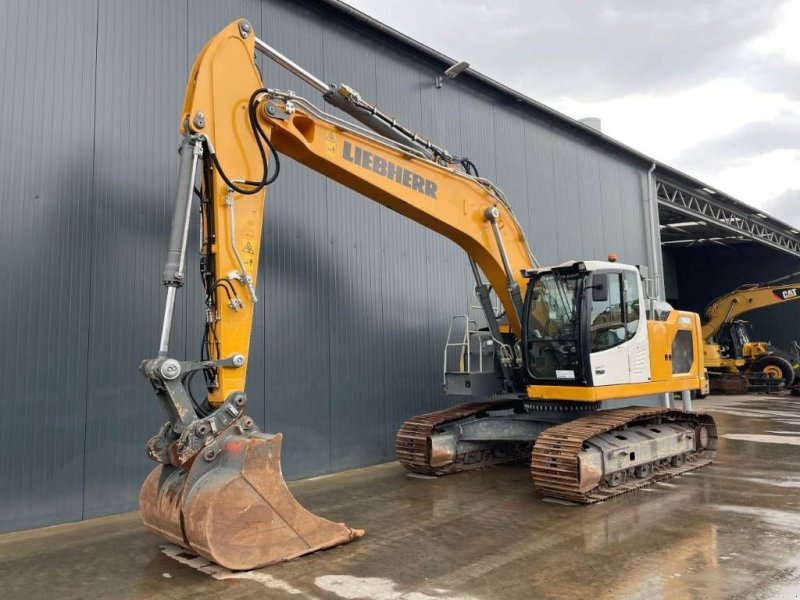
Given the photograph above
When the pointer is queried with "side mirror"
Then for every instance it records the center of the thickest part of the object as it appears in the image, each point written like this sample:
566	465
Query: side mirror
599	287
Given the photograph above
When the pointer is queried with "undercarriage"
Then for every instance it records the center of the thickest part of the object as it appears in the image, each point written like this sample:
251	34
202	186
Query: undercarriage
577	451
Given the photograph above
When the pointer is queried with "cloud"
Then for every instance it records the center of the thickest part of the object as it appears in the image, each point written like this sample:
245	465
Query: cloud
748	141
758	180
589	50
782	40
786	207
668	124
711	88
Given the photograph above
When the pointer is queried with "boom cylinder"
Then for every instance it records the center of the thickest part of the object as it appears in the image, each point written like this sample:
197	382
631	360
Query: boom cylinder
512	286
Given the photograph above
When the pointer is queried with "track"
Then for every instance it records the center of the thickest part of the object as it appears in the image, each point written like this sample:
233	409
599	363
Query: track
555	463
411	443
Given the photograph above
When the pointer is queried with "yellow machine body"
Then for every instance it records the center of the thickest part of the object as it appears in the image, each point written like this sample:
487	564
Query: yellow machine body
663	379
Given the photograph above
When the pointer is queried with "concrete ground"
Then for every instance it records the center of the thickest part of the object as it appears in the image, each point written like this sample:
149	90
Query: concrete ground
731	530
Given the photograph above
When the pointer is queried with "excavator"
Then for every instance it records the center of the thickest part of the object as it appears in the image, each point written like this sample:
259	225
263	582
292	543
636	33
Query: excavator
576	374
735	362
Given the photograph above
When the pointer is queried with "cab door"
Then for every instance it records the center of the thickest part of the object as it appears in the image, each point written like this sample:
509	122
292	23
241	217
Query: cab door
638	341
607	333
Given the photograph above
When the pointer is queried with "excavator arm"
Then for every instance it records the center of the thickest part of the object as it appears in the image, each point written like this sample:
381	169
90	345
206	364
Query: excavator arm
747	298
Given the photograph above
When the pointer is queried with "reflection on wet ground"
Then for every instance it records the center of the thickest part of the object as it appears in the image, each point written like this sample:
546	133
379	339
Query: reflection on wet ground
731	530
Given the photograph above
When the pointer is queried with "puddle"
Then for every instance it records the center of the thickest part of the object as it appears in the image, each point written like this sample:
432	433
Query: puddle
793	440
347	587
783	520
560	501
374	588
209	568
783	484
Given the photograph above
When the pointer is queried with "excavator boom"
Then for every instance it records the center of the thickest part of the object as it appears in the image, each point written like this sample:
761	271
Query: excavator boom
747	298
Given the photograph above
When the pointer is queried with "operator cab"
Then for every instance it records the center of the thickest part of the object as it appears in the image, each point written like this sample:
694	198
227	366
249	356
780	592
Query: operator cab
584	325
733	338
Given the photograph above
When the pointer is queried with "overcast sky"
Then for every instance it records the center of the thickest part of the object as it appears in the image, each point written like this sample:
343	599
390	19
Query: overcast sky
711	87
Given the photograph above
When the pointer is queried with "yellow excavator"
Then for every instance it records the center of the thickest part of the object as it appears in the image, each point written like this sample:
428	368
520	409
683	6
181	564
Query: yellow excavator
576	375
735	362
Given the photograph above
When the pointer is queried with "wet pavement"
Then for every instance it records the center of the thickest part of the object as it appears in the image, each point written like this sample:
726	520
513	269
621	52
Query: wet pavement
731	530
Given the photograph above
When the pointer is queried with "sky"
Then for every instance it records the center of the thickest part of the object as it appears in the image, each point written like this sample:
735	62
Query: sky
711	87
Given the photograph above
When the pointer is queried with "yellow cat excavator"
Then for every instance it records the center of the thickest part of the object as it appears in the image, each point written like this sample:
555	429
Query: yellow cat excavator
737	363
576	374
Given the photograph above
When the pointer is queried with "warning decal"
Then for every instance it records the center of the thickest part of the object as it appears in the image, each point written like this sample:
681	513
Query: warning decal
248	248
330	143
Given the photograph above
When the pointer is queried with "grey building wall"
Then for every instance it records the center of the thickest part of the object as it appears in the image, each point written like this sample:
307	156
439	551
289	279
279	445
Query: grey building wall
356	300
702	274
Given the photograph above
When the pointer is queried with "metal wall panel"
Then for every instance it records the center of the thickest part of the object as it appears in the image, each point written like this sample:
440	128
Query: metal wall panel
141	72
297	272
357	348
404	286
355	300
448	283
47	56
539	213
568	204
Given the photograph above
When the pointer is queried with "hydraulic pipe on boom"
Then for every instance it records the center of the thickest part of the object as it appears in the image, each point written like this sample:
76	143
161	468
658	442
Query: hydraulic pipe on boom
559	389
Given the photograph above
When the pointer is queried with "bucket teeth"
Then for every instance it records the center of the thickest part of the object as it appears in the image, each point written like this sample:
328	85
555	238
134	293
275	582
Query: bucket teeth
236	509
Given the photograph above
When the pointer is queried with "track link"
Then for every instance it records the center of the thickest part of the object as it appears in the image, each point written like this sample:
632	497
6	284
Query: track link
555	464
413	452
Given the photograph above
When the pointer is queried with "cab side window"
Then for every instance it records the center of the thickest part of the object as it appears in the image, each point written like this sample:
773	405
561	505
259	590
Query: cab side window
632	308
607	323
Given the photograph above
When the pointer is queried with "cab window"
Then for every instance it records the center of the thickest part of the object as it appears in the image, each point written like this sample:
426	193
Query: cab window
607	320
632	308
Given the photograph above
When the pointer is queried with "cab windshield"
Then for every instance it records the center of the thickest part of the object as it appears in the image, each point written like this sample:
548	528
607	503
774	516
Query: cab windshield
744	333
552	333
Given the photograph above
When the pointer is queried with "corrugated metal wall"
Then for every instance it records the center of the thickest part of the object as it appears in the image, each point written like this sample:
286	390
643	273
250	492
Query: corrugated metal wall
356	300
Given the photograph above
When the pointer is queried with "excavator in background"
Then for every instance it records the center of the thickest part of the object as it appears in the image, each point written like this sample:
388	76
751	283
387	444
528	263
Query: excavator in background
576	375
735	362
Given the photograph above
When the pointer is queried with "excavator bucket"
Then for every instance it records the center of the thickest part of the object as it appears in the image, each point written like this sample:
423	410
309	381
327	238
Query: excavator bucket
234	508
